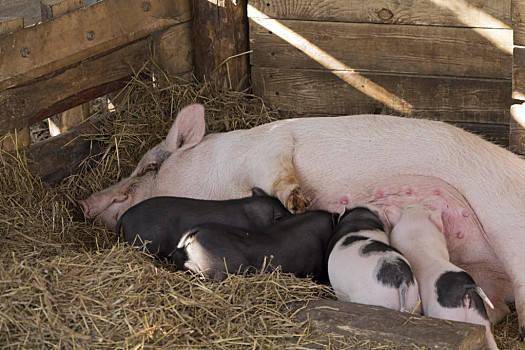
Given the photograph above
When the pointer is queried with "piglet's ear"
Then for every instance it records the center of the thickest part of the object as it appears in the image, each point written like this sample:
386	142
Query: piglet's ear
188	129
258	192
437	219
392	214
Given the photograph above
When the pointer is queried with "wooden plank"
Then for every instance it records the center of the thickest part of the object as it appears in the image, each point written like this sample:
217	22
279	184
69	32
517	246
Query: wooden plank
27	9
518	74
80	83
43	49
10	24
54	8
518	21
376	47
471	13
517	129
57	157
173	49
220	33
64	121
401	330
67	120
441	98
21	138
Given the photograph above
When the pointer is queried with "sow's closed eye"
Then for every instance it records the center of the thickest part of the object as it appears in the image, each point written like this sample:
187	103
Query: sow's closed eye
150	167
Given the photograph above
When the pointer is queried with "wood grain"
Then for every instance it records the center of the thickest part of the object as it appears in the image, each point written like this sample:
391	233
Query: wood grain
422	50
43	49
518	74
220	32
422	12
401	330
80	83
20	138
441	98
518	22
57	157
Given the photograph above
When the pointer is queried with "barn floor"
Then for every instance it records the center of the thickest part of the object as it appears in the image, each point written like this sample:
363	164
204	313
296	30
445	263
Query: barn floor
65	284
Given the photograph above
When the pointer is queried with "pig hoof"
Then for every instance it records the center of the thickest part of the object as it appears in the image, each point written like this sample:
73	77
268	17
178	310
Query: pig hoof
522	333
297	202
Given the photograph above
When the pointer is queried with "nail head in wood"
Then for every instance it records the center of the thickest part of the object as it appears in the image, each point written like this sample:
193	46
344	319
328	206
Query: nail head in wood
24	51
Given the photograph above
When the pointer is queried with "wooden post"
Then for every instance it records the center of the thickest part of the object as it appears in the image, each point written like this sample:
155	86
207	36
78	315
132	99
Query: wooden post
220	41
517	122
19	138
69	119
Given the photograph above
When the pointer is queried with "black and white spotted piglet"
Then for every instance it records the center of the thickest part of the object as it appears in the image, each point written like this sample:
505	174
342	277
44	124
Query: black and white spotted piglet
364	268
447	292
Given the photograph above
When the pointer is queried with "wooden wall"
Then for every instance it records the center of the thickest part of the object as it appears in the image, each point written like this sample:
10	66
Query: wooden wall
436	59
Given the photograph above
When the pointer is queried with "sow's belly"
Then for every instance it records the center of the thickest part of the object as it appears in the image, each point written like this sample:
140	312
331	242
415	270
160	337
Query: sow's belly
466	239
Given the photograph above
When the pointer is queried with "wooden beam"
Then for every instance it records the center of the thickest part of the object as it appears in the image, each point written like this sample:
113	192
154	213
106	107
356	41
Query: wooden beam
433	97
517	129
82	82
426	50
29	10
220	39
58	157
173	49
475	13
10	24
518	22
64	121
518	74
50	9
389	327
20	138
41	50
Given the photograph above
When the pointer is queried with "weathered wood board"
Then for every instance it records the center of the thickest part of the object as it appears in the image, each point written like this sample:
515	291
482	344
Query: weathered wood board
59	156
425	50
518	74
82	82
401	330
220	39
517	129
518	22
54	8
471	13
74	116
46	48
442	98
27	9
20	138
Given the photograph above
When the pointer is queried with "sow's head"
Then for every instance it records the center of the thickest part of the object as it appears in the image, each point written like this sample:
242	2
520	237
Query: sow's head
109	204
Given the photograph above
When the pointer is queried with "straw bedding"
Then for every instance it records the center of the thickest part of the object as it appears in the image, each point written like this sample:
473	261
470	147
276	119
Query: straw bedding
67	283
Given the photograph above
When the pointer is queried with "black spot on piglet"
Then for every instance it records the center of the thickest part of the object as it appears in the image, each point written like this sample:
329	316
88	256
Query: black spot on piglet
453	287
377	247
394	272
352	239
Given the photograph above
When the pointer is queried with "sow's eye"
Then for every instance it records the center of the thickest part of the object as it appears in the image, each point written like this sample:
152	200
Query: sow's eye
148	168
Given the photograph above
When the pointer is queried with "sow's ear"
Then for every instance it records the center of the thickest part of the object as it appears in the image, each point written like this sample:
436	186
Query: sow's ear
188	129
258	192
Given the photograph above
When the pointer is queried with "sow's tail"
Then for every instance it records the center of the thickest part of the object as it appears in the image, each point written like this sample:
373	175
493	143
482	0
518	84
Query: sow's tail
179	256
